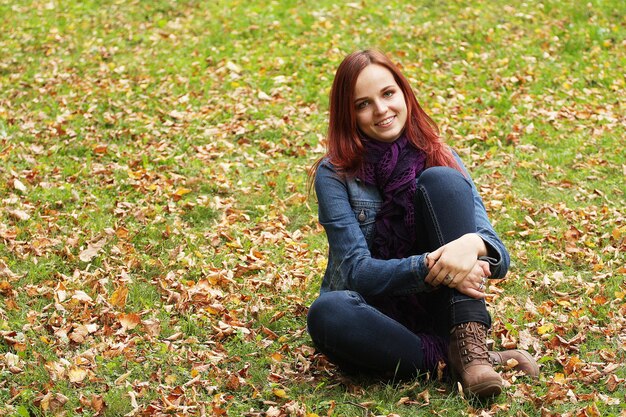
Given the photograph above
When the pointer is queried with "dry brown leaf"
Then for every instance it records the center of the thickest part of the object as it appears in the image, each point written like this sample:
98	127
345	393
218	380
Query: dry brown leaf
97	403
5	272
129	321
56	370
6	289
82	296
19	215
424	396
92	250
76	374
120	379
18	185
152	327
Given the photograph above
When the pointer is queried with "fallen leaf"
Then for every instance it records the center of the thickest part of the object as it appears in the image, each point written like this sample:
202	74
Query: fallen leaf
119	296
82	296
76	374
120	379
279	392
92	250
11	359
18	185
19	215
129	321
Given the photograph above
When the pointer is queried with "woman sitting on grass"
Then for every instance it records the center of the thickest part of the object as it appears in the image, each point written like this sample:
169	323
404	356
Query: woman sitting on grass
410	244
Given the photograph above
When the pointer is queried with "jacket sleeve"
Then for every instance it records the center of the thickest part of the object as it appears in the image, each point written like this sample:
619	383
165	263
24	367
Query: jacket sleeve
358	270
498	256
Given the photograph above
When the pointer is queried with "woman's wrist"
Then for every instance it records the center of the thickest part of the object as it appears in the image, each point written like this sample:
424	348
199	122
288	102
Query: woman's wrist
478	243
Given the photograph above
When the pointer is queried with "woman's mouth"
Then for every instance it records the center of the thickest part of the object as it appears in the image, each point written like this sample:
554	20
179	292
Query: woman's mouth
385	122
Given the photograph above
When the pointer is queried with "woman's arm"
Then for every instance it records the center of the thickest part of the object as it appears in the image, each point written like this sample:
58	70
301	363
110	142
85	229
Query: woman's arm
457	258
357	269
497	254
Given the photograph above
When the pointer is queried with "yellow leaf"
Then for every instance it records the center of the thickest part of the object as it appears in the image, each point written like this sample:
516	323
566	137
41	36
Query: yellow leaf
279	392
118	298
194	373
559	377
546	328
182	191
170	379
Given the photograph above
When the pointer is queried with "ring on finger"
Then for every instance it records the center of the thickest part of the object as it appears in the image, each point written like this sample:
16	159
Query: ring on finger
481	287
447	279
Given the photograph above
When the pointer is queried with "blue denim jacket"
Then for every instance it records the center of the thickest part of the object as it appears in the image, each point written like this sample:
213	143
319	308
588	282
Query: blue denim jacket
347	211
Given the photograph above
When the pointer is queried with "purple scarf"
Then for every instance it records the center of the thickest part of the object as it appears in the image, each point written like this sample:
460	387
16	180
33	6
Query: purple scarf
392	167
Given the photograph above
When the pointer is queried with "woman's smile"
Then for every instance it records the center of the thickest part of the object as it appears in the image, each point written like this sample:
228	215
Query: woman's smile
386	122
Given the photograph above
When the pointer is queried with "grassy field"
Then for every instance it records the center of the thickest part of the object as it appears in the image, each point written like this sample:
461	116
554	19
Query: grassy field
158	249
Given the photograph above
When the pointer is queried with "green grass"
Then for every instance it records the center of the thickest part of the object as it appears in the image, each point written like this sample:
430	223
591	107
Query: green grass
181	134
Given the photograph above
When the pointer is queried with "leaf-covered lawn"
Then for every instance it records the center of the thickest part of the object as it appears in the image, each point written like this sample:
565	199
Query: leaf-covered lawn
158	248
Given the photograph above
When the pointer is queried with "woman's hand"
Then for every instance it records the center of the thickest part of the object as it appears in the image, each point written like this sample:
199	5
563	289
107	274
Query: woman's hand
475	283
453	262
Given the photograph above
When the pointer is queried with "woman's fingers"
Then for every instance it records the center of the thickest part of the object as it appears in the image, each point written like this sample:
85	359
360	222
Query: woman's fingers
436	276
470	291
474	286
485	268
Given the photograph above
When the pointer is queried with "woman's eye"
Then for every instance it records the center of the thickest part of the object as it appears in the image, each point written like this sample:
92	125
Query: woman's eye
388	93
362	105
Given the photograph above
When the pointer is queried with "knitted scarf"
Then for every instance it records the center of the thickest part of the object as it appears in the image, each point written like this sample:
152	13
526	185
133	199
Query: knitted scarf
392	167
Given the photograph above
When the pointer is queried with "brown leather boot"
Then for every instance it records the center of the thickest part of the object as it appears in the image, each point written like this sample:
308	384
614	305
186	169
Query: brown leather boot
525	363
469	360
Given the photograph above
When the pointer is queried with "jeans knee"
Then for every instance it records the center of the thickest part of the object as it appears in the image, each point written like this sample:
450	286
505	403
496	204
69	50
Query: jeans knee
437	177
329	312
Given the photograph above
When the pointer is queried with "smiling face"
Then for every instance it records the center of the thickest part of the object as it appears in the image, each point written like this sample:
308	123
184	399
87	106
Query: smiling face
379	104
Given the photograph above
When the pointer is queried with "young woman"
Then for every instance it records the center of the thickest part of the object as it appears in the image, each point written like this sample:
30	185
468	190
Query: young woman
410	244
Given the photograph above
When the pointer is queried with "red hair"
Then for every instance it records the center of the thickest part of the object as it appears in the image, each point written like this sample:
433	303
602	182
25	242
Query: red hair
344	147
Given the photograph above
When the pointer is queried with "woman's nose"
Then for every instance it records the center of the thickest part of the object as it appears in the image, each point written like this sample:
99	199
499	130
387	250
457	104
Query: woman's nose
380	107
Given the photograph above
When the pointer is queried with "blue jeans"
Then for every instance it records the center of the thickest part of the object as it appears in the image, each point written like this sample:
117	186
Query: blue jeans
358	337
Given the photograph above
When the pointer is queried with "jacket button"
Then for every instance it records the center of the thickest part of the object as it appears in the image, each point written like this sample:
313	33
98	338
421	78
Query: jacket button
362	216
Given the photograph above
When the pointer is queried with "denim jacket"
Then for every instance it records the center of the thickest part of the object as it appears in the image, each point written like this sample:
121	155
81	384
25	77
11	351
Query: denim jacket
347	210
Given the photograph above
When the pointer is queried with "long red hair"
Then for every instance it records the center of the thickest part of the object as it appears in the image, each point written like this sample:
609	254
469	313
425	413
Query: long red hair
344	147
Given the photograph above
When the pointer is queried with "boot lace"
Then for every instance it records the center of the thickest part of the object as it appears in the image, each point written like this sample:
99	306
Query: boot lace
472	338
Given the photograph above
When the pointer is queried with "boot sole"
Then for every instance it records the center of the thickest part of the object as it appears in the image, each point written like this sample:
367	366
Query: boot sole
486	389
535	369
